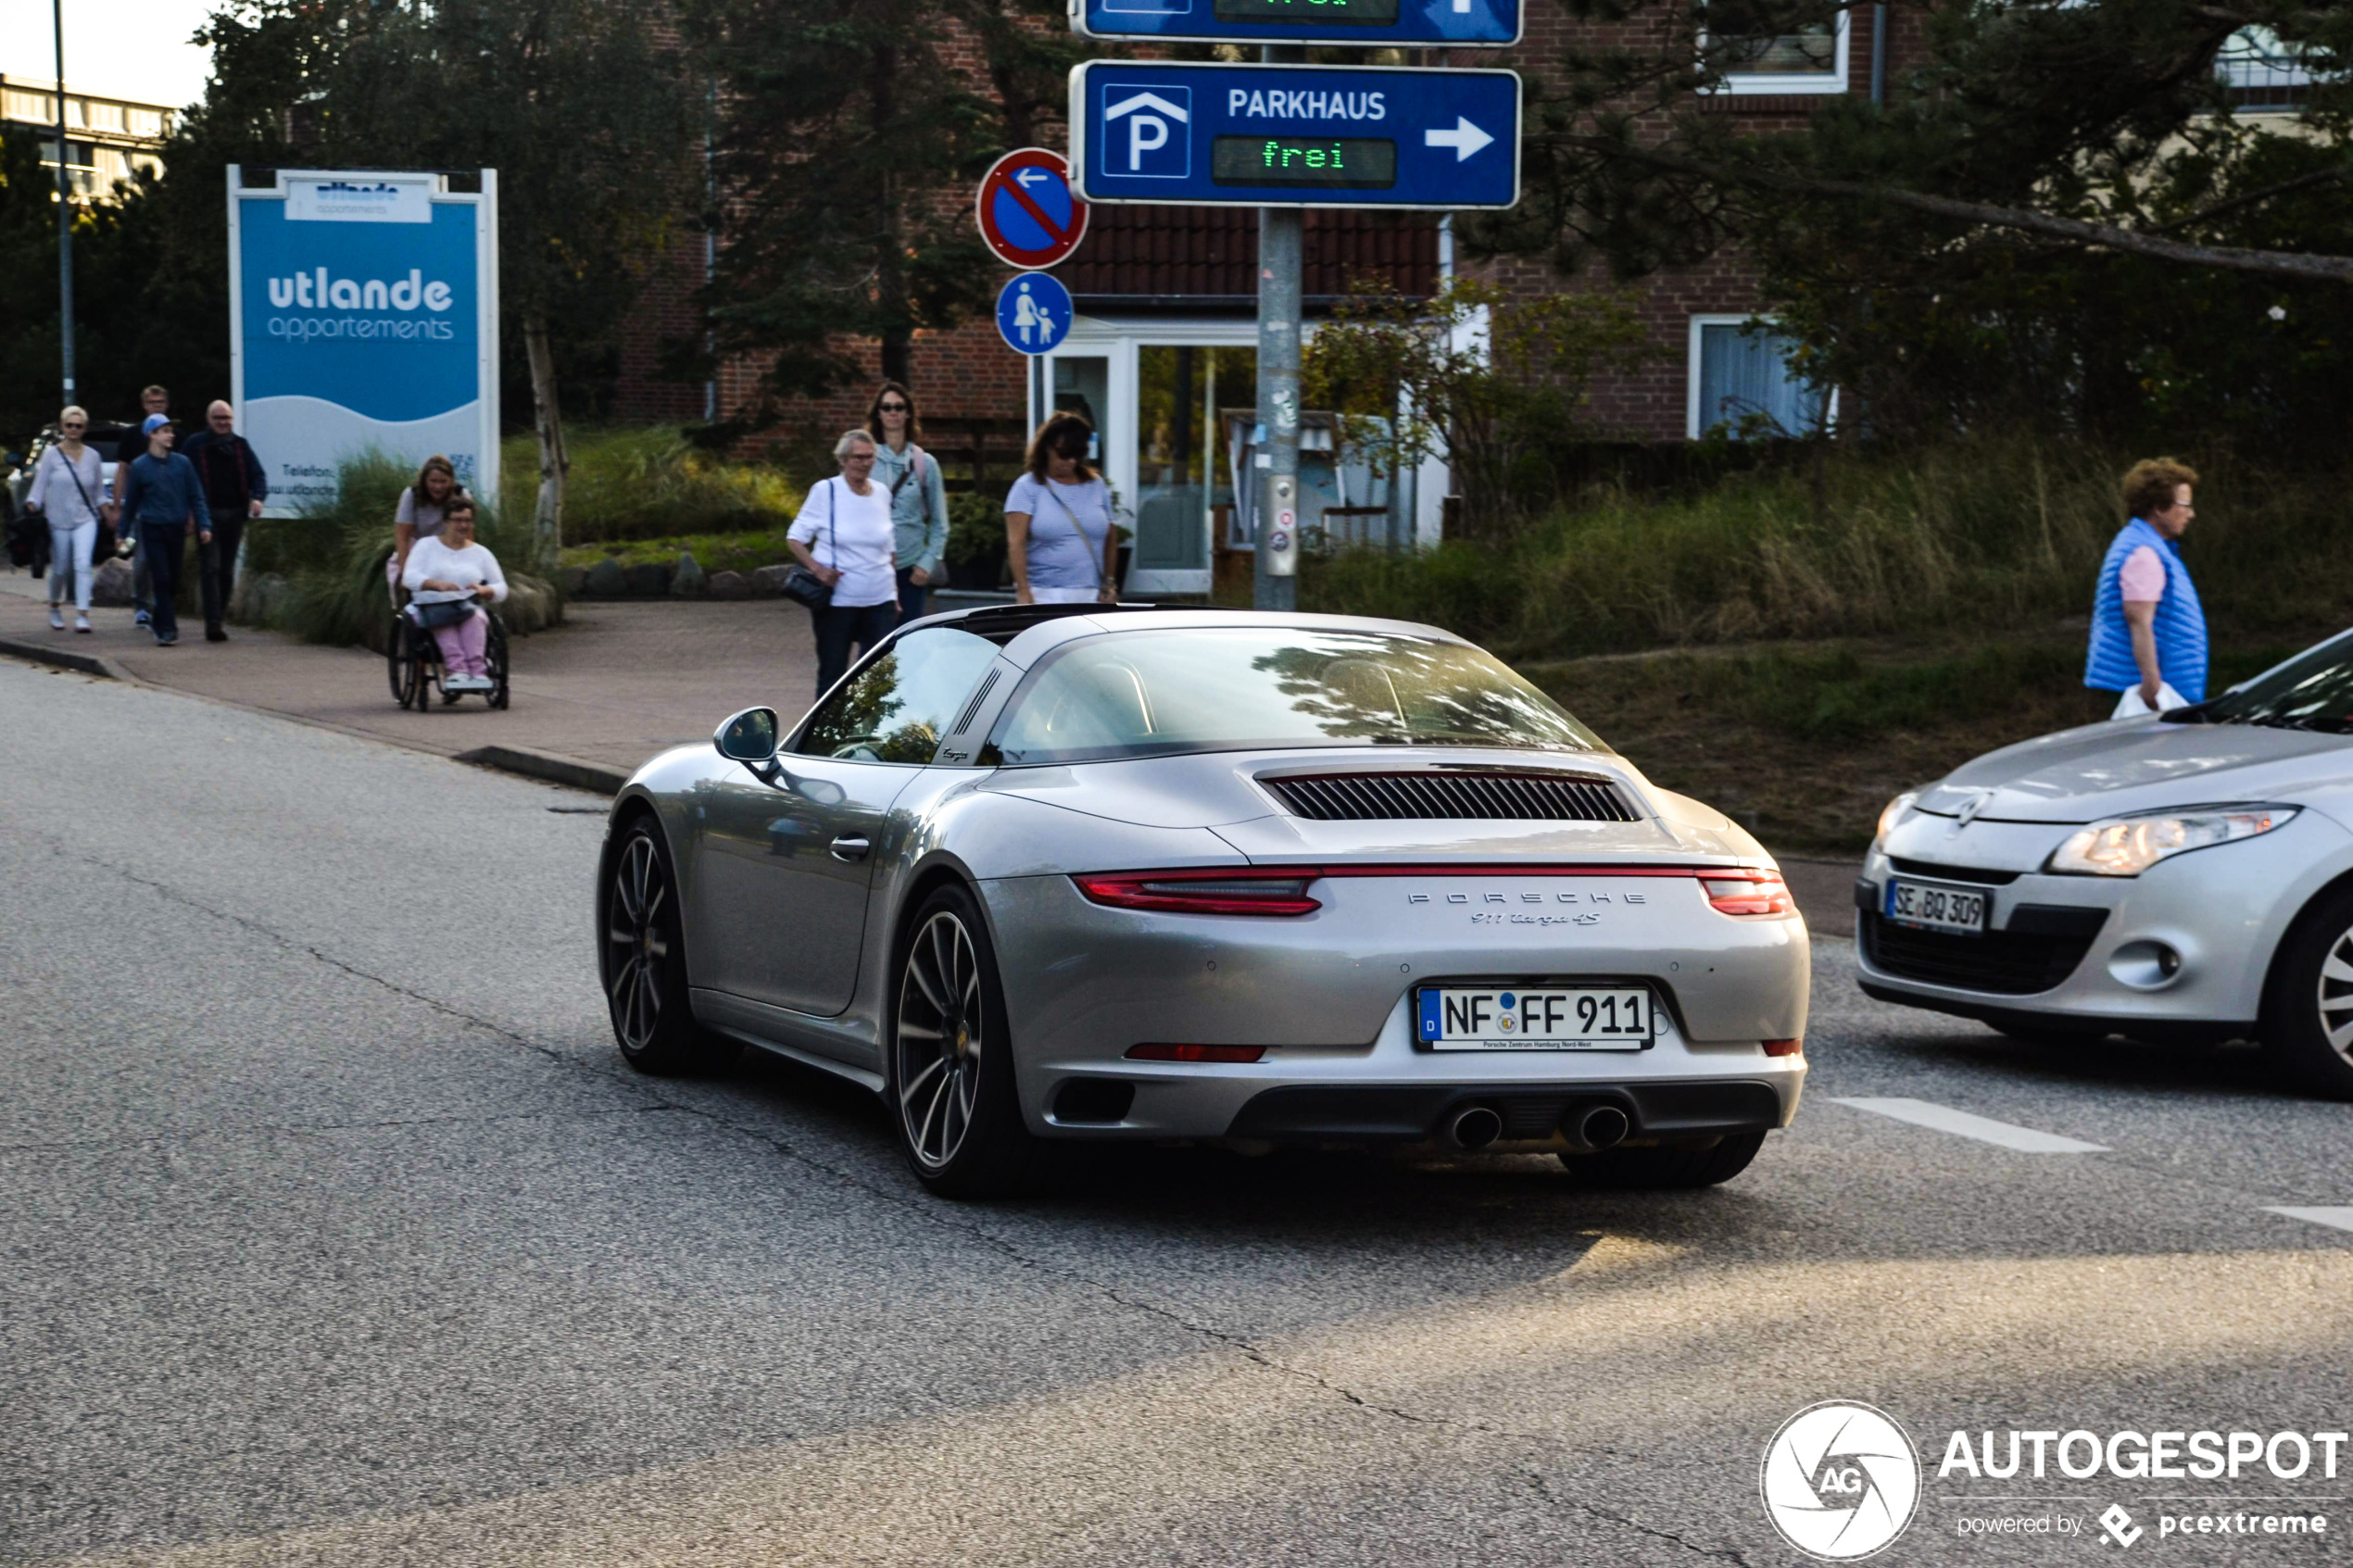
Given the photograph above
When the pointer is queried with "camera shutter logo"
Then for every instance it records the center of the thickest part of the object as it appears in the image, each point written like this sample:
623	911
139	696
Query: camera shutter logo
1841	1480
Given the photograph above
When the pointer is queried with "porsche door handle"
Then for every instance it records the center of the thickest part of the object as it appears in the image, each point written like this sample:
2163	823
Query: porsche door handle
850	848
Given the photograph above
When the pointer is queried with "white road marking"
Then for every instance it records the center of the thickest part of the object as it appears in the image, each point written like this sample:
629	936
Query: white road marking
2341	1218
1945	1119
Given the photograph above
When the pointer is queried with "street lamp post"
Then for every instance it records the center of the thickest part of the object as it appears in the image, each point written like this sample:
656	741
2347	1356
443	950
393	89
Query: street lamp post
65	208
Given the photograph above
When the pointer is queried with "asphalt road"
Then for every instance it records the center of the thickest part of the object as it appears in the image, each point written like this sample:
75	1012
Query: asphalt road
335	1232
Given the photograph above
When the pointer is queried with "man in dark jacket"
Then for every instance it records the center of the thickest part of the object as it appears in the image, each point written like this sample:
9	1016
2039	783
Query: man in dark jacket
235	487
165	501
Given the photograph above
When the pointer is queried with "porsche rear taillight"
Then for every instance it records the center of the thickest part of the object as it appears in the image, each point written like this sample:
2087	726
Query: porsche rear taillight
1747	893
1219	892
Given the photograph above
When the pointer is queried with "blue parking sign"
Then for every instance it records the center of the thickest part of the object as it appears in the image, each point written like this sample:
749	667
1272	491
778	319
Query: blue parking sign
1033	313
1147	126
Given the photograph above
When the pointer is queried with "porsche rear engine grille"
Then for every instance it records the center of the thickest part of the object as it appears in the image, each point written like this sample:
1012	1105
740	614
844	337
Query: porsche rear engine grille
1362	797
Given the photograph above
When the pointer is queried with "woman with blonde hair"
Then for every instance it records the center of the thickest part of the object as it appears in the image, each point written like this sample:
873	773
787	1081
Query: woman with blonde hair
66	490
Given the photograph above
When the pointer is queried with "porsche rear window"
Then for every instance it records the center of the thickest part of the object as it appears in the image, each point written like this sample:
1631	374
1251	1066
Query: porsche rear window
1140	694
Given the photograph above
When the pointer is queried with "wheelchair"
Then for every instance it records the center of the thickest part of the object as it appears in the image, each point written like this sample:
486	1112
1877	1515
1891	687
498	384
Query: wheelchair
412	663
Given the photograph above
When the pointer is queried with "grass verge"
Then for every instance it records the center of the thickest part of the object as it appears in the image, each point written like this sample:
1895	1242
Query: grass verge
1805	744
646	484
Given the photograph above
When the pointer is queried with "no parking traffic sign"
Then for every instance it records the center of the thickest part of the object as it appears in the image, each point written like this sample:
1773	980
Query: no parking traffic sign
1027	211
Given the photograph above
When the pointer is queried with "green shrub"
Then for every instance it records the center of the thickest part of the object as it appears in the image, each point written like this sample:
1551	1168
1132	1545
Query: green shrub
647	483
1985	535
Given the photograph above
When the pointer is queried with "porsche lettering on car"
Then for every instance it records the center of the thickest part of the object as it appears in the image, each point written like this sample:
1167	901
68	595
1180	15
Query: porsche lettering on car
1038	874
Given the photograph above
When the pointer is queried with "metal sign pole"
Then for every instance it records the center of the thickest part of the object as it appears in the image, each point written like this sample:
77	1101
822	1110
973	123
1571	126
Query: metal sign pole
1275	579
65	208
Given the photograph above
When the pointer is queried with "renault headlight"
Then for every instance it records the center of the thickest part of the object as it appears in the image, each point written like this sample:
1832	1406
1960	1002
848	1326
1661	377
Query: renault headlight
1894	813
2129	846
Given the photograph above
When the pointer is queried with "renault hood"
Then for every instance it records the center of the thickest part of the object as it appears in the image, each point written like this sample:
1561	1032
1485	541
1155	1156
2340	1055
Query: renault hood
2135	765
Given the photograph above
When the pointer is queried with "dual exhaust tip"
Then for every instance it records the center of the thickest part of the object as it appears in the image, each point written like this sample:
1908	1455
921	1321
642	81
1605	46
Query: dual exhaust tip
1588	1128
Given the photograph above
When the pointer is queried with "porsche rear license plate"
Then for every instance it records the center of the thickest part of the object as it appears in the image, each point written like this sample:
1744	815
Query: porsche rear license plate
1542	1018
1961	910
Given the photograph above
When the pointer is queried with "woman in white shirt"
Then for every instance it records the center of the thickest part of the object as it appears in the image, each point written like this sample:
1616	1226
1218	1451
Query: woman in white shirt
448	566
65	489
844	536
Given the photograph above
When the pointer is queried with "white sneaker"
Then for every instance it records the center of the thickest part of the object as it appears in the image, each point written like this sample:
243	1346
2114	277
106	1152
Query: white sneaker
81	622
56	621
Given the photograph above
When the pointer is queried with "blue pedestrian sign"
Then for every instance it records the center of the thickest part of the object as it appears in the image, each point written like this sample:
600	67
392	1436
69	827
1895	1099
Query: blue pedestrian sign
1367	24
1033	313
1257	135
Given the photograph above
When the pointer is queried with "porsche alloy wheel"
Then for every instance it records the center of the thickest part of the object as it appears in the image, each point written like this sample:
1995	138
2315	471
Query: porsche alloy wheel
645	959
941	1039
952	1069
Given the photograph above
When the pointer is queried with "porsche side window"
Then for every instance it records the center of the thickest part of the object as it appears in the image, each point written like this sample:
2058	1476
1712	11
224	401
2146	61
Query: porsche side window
898	707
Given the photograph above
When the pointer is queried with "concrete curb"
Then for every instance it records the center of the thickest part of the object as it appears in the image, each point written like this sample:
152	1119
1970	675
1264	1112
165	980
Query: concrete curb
65	658
548	767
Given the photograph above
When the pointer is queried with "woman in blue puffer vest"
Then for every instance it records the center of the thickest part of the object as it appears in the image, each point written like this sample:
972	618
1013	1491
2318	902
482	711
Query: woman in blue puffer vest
2148	631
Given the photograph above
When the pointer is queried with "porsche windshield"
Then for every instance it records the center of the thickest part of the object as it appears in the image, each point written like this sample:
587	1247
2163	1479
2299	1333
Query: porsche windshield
1143	694
2312	691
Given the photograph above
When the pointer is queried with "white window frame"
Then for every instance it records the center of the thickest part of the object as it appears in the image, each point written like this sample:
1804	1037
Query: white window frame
1692	427
1778	84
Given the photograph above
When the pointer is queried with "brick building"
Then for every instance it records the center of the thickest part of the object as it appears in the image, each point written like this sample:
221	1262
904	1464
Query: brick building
1163	352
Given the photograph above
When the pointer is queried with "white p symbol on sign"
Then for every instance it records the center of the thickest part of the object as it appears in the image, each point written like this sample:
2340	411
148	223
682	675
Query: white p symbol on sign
1147	115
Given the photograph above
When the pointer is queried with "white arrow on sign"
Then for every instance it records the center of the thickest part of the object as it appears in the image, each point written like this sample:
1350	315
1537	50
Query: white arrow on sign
1028	176
1466	138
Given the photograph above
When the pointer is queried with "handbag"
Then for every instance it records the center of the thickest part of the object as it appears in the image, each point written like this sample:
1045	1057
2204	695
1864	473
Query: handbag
443	612
804	585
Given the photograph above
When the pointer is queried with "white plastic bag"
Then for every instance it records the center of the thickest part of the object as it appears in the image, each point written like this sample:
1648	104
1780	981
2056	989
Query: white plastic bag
2129	705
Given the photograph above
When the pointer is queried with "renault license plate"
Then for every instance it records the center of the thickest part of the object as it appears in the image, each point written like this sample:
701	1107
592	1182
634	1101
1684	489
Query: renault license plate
1541	1018
1930	907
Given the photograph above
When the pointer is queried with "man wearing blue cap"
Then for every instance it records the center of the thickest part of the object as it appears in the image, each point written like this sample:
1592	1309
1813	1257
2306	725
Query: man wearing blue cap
165	501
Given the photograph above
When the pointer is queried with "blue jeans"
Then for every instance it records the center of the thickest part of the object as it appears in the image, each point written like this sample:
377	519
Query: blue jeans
164	546
911	599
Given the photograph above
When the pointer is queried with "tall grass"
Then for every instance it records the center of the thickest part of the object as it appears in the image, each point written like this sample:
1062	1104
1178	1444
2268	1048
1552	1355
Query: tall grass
1988	535
647	483
333	556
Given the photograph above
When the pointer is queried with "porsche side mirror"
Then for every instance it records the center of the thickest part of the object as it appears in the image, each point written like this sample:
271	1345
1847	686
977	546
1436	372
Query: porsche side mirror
749	738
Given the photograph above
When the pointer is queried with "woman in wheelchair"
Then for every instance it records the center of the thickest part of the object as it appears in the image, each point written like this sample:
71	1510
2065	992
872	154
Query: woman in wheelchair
448	578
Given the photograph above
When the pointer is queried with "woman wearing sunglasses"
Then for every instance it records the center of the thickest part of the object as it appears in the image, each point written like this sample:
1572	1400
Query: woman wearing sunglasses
65	489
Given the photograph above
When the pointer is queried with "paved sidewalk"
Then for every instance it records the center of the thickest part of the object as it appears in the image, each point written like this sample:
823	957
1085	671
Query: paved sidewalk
617	682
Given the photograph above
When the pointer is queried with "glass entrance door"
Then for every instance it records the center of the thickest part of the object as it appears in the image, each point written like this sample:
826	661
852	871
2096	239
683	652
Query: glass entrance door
1180	471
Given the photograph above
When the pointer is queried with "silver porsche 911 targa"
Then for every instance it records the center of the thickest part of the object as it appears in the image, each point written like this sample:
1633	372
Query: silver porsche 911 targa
1121	872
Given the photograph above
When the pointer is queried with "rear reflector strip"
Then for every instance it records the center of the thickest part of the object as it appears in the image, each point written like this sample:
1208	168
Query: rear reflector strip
1195	1053
1205	890
1784	1047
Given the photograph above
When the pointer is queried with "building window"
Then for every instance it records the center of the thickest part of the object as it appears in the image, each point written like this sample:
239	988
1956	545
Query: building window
2261	73
1739	380
1812	59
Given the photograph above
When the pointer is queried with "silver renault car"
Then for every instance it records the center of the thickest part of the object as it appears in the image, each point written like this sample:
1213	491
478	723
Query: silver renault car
1055	873
2183	876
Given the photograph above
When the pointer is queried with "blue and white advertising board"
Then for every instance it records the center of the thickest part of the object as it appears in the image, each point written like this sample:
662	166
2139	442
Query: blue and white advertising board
1280	135
1367	24
363	315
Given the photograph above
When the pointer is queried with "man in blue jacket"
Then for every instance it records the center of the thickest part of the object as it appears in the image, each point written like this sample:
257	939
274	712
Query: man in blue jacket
2148	631
235	488
165	501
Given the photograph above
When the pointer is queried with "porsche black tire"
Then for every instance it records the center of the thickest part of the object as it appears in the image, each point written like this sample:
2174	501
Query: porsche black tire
642	960
1666	1166
954	1105
2308	1007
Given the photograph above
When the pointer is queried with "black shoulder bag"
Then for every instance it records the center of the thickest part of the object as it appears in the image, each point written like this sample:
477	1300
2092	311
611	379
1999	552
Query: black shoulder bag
806	586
